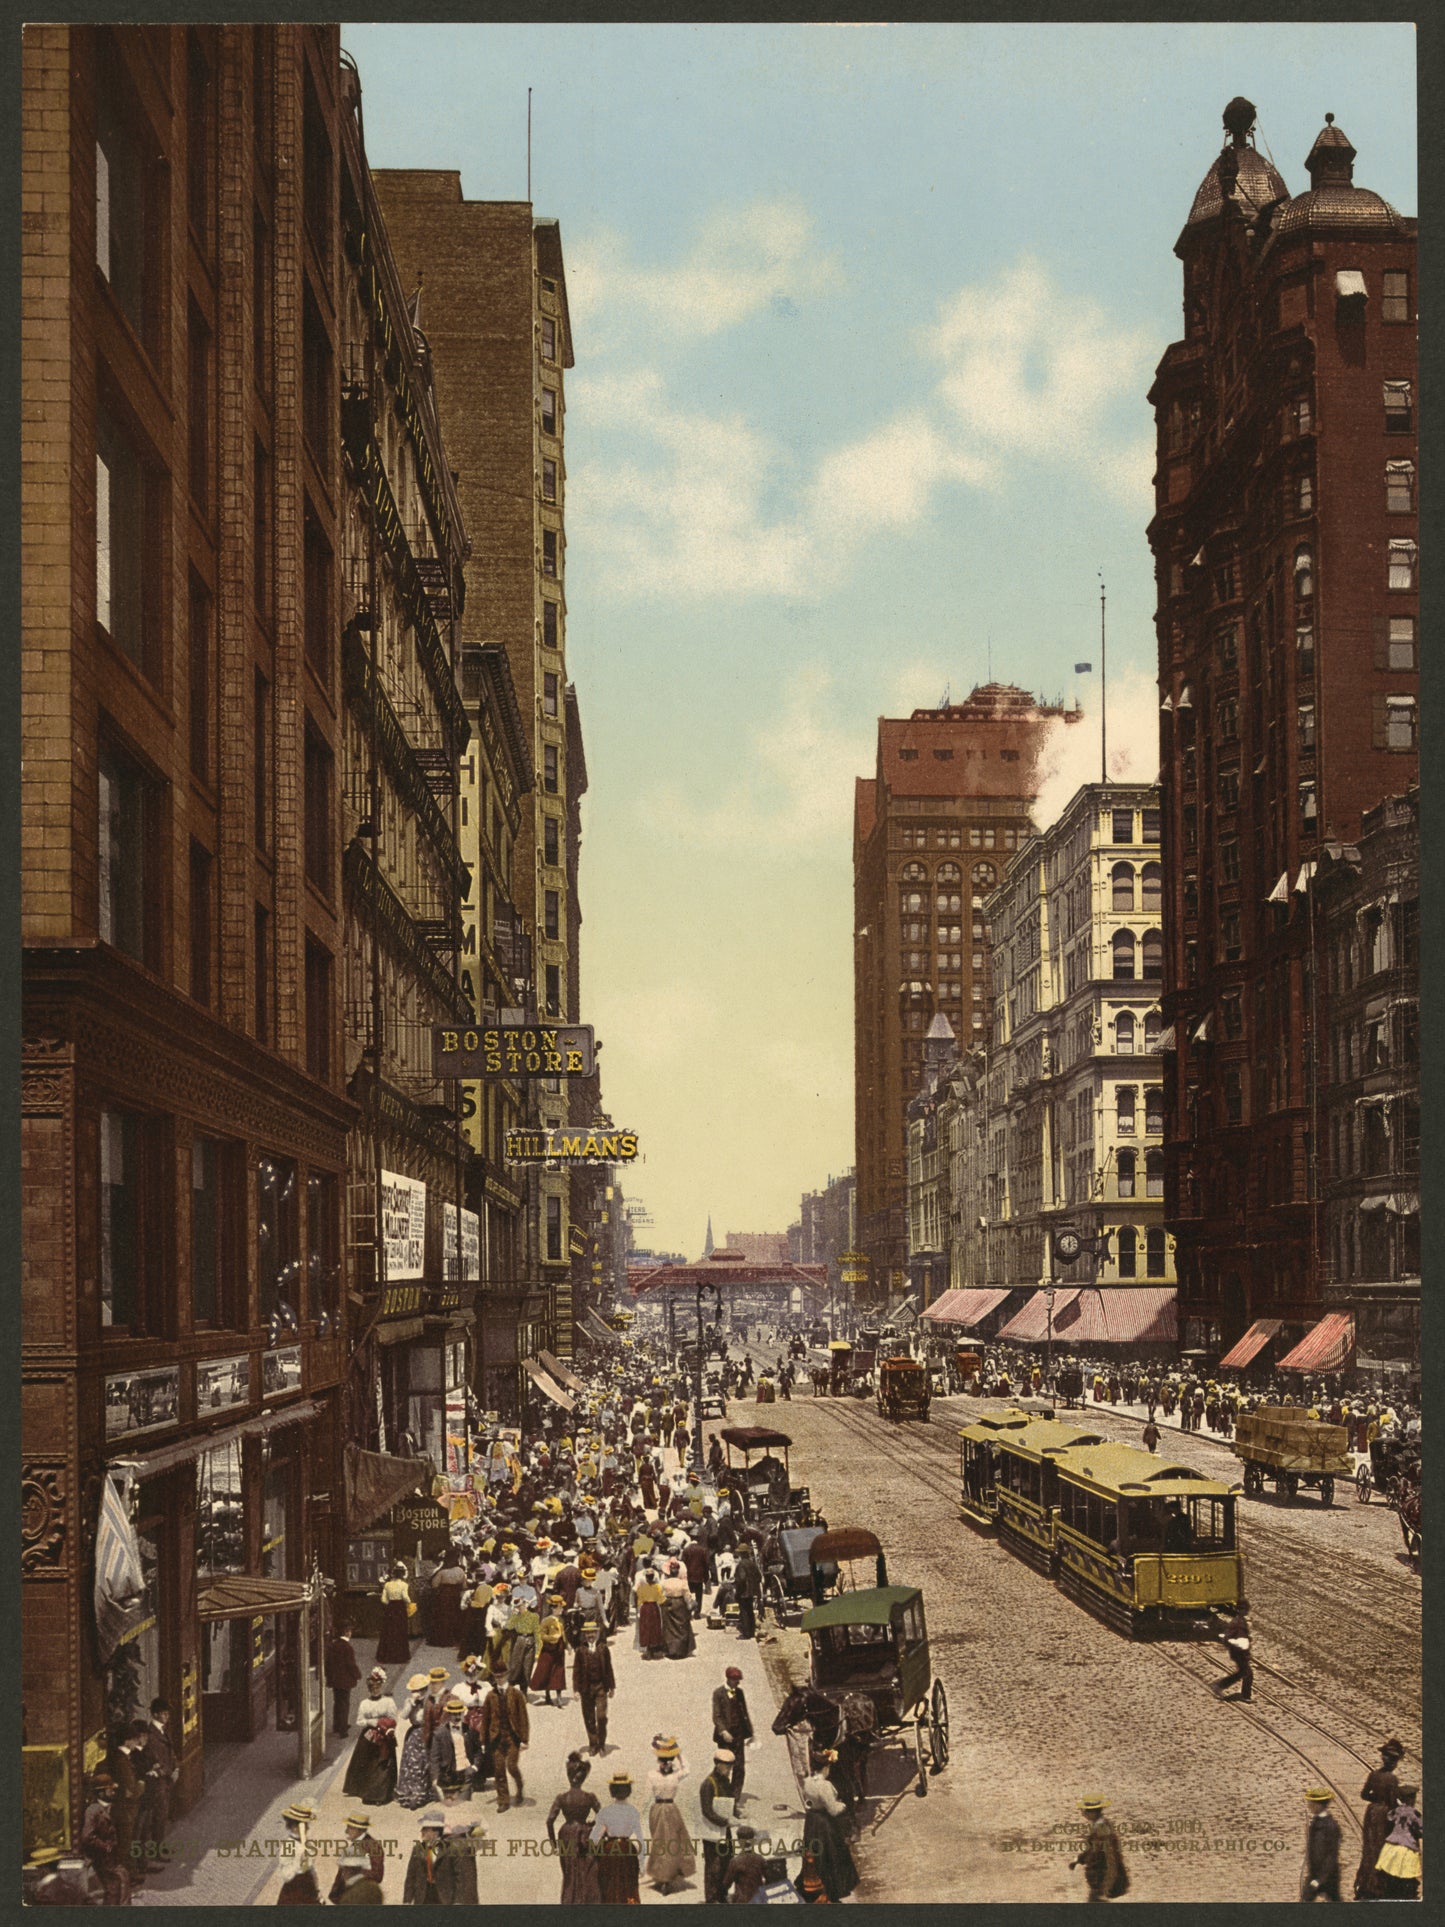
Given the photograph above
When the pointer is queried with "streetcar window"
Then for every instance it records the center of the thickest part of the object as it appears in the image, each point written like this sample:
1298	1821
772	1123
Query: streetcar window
1213	1522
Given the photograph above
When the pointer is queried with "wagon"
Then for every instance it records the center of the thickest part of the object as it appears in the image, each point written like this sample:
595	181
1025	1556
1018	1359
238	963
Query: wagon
840	1366
763	1483
1282	1443
903	1389
872	1644
714	1402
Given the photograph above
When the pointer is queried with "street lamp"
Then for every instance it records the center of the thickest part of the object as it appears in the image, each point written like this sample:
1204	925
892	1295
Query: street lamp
716	1291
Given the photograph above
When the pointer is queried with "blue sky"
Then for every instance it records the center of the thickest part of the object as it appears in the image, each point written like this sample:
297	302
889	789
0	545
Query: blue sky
865	317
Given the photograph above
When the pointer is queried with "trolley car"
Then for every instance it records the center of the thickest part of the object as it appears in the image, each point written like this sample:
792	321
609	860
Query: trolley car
903	1389
873	1644
982	1450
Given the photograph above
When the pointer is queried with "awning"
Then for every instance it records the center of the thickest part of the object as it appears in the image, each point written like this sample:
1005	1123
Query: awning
240	1595
1326	1348
1033	1321
969	1307
544	1384
1280	892
943	1308
1253	1342
1350	285
1166	1038
560	1372
375	1481
165	1458
1090	1315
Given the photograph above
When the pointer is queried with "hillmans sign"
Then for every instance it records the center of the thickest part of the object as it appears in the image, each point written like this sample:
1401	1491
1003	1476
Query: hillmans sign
512	1050
565	1142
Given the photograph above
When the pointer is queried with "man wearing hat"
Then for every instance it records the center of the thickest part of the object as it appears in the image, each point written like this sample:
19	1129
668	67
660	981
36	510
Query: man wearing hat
717	1841
461	1848
431	1874
1101	1856
159	1771
1237	1644
506	1729
362	1849
100	1844
356	1883
451	1754
302	1889
1321	1877
694	1564
1381	1790
343	1676
434	1707
732	1726
743	1880
594	1684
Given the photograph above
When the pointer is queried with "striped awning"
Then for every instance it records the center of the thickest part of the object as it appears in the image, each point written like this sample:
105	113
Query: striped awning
1253	1342
544	1384
968	1307
1324	1349
560	1372
944	1309
1088	1315
1033	1321
241	1595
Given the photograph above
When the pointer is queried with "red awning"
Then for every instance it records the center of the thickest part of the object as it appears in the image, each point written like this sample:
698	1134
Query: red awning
966	1307
1253	1342
944	1309
1033	1321
1087	1315
1326	1348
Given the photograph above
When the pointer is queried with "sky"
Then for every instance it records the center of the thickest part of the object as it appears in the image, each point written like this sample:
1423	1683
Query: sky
864	321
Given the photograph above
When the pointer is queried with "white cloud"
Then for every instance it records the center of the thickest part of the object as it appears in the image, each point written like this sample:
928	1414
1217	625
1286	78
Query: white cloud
743	260
1071	755
889	477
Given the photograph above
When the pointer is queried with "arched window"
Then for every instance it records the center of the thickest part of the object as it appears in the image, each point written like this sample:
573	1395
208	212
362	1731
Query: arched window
1154	1251
984	876
1123	956
1151	1030
1126	1165
1153	954
1124	1109
1304	572
1154	1174
949	873
1123	881
914	873
1154	1111
1153	877
1124	1033
1128	1251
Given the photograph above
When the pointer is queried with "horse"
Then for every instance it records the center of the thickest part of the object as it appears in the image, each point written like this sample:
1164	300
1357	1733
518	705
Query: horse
811	1722
819	1376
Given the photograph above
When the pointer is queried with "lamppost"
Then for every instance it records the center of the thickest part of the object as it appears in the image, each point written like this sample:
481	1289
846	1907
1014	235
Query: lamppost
716	1291
1065	1245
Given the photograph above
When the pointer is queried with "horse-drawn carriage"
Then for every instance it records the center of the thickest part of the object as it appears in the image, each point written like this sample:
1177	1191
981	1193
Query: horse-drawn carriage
870	1672
714	1402
903	1389
1393	1470
763	1485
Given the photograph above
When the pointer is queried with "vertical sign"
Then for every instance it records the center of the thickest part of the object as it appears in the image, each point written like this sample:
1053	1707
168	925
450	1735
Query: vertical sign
403	1225
469	817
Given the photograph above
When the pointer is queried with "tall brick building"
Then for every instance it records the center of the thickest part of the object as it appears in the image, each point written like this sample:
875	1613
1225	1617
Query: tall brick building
1284	539
933	830
494	309
185	1121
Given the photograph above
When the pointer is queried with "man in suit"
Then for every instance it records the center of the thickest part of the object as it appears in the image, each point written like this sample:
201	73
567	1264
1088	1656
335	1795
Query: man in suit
743	1880
594	1683
451	1753
343	1676
717	1842
431	1871
158	1772
506	1729
1321	1878
732	1726
127	1767
361	1849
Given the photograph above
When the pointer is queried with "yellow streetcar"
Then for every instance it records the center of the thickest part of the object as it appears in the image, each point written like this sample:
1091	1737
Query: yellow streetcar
1147	1546
1026	1488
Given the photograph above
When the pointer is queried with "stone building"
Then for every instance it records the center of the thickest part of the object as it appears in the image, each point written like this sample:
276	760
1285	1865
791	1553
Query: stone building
185	1121
945	809
1285	544
929	1219
494	308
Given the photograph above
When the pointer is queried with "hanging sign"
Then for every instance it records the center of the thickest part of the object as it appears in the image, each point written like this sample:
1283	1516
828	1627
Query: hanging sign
403	1224
513	1050
566	1143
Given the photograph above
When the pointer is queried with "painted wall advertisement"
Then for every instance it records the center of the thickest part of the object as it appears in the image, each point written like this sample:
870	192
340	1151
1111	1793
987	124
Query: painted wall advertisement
403	1224
471	1267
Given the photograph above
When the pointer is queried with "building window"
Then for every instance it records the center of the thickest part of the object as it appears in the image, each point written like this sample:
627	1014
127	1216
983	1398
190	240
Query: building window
1154	1111
1395	295
549	479
198	408
1304	573
1400	643
131	1230
317	803
1123	947
549	552
125	214
318	1010
278	1246
202	914
1123	885
1229	859
1152	887
1151	826
550	840
216	1260
315	381
1304	494
1301	415
1228	719
1400	488
549	338
1228	644
1124	1033
261	973
1305	714
1233	1096
1400	722
1123	826
1151	1030
950	873
1154	1174
984	876
1126	1163
1304	642
1152	951
1399	408
554	990
323	1243
549	624
128	516
549	768
1128	1250
129	806
1124	1109
317	591
198	681
549	692
554	1228
549	411
551	916
1229	939
1402	565
1308	803
1154	1247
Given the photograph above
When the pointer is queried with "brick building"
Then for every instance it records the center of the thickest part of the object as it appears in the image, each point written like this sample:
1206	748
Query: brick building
932	829
1284	539
185	1121
494	297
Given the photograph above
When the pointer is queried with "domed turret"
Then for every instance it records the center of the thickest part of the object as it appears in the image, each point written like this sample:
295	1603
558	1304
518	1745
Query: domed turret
1333	204
1241	175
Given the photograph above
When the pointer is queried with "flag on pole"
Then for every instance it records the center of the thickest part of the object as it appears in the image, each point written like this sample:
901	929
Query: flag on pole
1083	668
119	1580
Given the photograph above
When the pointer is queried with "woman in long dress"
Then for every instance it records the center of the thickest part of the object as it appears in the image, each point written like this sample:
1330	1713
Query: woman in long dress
393	1648
576	1808
1381	1790
371	1771
1398	1867
413	1779
617	1837
670	1858
649	1614
677	1634
549	1675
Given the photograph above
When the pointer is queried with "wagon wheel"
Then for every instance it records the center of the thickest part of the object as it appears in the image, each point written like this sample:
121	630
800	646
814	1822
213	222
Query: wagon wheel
1363	1484
921	1747
1327	1490
1291	1484
938	1732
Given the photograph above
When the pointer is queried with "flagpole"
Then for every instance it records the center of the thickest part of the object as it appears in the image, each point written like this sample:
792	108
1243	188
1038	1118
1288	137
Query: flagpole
1103	690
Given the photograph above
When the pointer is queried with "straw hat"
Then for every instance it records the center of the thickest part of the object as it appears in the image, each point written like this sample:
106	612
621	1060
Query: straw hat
1318	1796
724	1755
1092	1805
300	1815
666	1748
358	1819
437	1674
454	1705
416	1684
620	1781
